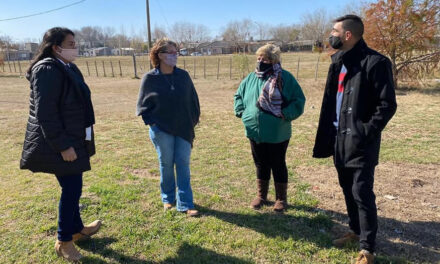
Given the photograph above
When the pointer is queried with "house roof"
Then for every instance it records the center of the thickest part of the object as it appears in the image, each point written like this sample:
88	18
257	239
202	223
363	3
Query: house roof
216	44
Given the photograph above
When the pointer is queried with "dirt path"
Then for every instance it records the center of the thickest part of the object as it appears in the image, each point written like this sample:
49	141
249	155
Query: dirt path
408	201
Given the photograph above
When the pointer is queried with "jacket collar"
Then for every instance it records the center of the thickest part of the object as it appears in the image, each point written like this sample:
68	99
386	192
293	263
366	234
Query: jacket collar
351	56
46	61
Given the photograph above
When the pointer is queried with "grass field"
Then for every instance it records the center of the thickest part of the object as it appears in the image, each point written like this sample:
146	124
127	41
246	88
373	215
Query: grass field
123	187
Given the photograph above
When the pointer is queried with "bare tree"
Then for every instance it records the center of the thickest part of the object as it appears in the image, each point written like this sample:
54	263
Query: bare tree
316	26
263	30
186	32
354	7
238	31
247	27
285	33
119	41
91	35
158	33
202	33
178	32
108	32
232	32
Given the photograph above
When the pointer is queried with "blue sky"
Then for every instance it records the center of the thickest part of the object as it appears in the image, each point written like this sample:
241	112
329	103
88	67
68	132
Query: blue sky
131	14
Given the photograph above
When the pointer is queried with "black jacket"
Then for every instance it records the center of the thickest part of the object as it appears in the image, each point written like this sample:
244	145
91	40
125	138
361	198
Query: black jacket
60	110
368	103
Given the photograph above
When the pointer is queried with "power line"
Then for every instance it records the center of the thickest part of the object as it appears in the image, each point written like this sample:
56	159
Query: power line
163	15
44	12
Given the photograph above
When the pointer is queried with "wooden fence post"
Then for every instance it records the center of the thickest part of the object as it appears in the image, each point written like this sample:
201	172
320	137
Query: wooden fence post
96	68
135	69
103	69
120	69
88	70
184	64
19	67
9	64
218	67
113	72
194	68
204	68
15	69
230	68
297	69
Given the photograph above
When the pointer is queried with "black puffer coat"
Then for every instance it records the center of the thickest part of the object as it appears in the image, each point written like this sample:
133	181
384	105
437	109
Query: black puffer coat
368	103
60	110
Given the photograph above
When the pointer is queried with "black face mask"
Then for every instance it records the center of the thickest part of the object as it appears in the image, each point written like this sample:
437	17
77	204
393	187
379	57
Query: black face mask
335	42
262	67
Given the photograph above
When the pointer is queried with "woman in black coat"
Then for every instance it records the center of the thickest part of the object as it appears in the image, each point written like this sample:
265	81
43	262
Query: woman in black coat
59	132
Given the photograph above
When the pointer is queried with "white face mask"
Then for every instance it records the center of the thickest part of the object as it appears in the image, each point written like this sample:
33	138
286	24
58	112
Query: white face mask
170	59
68	54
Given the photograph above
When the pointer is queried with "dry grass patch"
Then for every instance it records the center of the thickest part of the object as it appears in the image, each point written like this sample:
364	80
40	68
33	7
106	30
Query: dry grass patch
408	206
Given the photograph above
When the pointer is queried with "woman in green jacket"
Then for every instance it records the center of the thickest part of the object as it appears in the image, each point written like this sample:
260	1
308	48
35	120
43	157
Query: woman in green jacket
267	101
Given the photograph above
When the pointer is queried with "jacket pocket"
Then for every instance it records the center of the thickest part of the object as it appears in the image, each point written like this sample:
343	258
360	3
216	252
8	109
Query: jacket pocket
274	127
249	119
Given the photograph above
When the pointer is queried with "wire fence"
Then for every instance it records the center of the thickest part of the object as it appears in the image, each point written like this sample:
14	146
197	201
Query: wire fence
233	67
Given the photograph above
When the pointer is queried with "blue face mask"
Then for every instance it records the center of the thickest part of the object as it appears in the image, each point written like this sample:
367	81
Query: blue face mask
170	59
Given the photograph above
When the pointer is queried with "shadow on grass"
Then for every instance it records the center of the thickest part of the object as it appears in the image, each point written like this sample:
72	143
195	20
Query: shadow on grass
100	246
416	241
298	226
397	241
186	253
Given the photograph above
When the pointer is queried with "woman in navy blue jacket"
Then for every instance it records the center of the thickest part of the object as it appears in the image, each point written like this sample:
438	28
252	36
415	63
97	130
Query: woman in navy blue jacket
59	132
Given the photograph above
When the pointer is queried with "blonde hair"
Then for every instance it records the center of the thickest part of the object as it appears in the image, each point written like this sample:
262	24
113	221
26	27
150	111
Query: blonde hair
270	52
160	46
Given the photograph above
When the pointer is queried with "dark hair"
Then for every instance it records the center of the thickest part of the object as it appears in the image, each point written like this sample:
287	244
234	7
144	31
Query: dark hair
352	23
54	36
158	47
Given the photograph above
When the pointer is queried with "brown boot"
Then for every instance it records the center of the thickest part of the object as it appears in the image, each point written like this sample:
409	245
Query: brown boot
167	206
281	195
365	257
262	188
67	250
192	213
347	238
88	231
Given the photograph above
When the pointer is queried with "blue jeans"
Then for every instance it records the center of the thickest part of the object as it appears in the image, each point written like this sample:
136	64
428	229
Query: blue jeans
69	219
173	151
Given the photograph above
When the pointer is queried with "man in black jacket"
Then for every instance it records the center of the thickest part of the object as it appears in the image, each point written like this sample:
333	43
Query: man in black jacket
359	100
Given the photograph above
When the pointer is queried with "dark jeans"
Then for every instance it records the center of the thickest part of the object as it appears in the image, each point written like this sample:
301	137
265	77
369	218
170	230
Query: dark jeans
357	185
270	156
69	220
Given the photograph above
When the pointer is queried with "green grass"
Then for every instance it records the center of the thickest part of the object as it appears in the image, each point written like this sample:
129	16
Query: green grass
123	187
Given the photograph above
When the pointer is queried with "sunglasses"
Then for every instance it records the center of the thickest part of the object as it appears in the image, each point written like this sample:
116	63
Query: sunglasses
168	52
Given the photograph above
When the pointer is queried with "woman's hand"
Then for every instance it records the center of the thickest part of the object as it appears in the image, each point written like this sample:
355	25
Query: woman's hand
69	154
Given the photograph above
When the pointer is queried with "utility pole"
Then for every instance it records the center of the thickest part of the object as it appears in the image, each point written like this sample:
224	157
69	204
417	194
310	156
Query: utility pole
149	29
7	50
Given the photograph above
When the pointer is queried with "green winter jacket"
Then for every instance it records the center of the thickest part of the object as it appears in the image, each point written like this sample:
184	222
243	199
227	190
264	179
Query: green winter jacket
263	127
